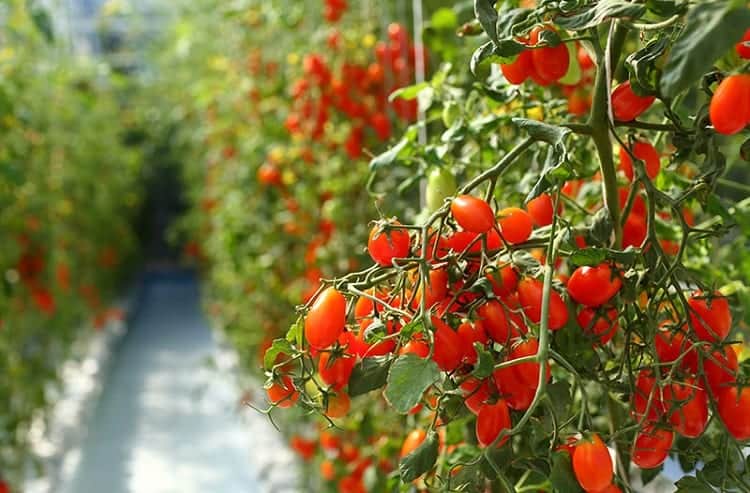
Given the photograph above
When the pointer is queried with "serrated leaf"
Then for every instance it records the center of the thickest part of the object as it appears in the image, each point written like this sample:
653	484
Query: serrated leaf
408	378
711	29
279	346
690	484
485	362
642	66
369	374
421	459
590	16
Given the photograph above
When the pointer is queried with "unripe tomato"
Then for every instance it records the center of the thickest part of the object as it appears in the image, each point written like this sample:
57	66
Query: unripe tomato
519	70
734	409
593	286
492	419
592	464
530	297
338	405
730	105
720	369
645	391
651	447
283	394
710	317
541	210
412	441
473	214
326	319
440	184
601	325
550	63
515	225
627	105
687	405
335	372
743	47
646	153
448	351
386	246
494	321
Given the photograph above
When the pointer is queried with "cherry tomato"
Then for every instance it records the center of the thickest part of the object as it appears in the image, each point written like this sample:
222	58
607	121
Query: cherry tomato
584	59
516	393
448	351
671	342
550	63
651	447
734	409
504	281
541	210
515	225
530	297
335	372
639	204
327	470
471	334
634	231
477	392
730	105
598	324
593	286
743	47
492	419
720	369
627	105
386	246
687	405
494	321
417	347
592	464
329	441
527	373
305	448
647	396
473	214
412	441
437	288
269	174
338	405
352	484
519	69
710	316
283	394
646	153
326	319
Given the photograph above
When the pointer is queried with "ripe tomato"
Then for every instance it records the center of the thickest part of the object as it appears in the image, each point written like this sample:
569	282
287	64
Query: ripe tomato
710	316
646	153
720	369
283	394
494	321
269	174
530	297
515	225
627	105
386	246
448	350
743	47
477	392
527	373
550	63
639	204
329	441
734	409
593	286
687	405
730	105
492	419
598	324
336	372
352	484
473	214
516	393
592	464
417	347
645	391
470	334
519	69
412	441
651	447
541	210
326	319
338	405
634	231
305	448
327	470
437	289
504	281
671	342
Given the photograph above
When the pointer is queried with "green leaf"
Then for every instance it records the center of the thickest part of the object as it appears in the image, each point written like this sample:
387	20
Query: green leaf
408	92
485	362
643	69
369	374
589	256
444	18
421	460
41	18
408	378
487	17
588	16
711	29
552	134
391	155
648	475
296	332
562	476
689	484
279	346
559	395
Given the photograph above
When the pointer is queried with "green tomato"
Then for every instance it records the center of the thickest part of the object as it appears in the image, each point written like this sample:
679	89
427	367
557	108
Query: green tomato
573	75
440	184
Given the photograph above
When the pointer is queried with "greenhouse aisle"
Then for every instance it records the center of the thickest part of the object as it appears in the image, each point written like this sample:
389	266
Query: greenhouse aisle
167	422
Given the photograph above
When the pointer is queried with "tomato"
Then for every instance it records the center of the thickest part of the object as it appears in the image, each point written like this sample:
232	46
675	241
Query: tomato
329	441
710	316
352	484
326	319
612	488
671	342
335	372
473	214
634	231
448	351
639	204
530	297
720	369
516	393
412	441
327	470
743	47
627	105
386	246
305	448
519	69
651	447
471	334
646	153
515	225
504	281
541	210
269	174
527	373
730	105
477	392
584	59
579	103
734	409
494	321
551	62
687	405
437	289
593	286
338	405
492	419
440	184
283	394
598	324
645	391
592	464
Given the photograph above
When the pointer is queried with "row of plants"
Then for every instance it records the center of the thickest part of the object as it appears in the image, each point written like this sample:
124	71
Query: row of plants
68	192
543	262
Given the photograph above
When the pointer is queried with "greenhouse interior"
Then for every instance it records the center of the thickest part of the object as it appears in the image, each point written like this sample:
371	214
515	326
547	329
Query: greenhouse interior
395	246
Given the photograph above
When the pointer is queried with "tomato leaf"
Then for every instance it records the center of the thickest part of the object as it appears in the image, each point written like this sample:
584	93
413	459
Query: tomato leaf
589	256
296	333
487	17
408	92
401	148
642	66
648	475
369	374
408	378
592	15
690	484
279	346
562	476
420	460
711	29
485	362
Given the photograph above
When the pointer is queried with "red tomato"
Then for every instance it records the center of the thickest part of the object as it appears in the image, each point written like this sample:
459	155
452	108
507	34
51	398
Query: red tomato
417	347
584	59
627	105
448	351
473	214
743	47
515	225
437	289
593	286
639	204
326	319
645	391
734	409
492	419
477	392
412	441
384	247
517	394
338	405
687	405
598	324
579	103
670	342
327	470
634	231
710	316
541	210
730	105
305	448
527	373
269	174
612	488
471	334
504	281
651	447
336	372
530	297
494	321
720	369
550	63
329	441
519	69
283	394
646	153
592	464
352	484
